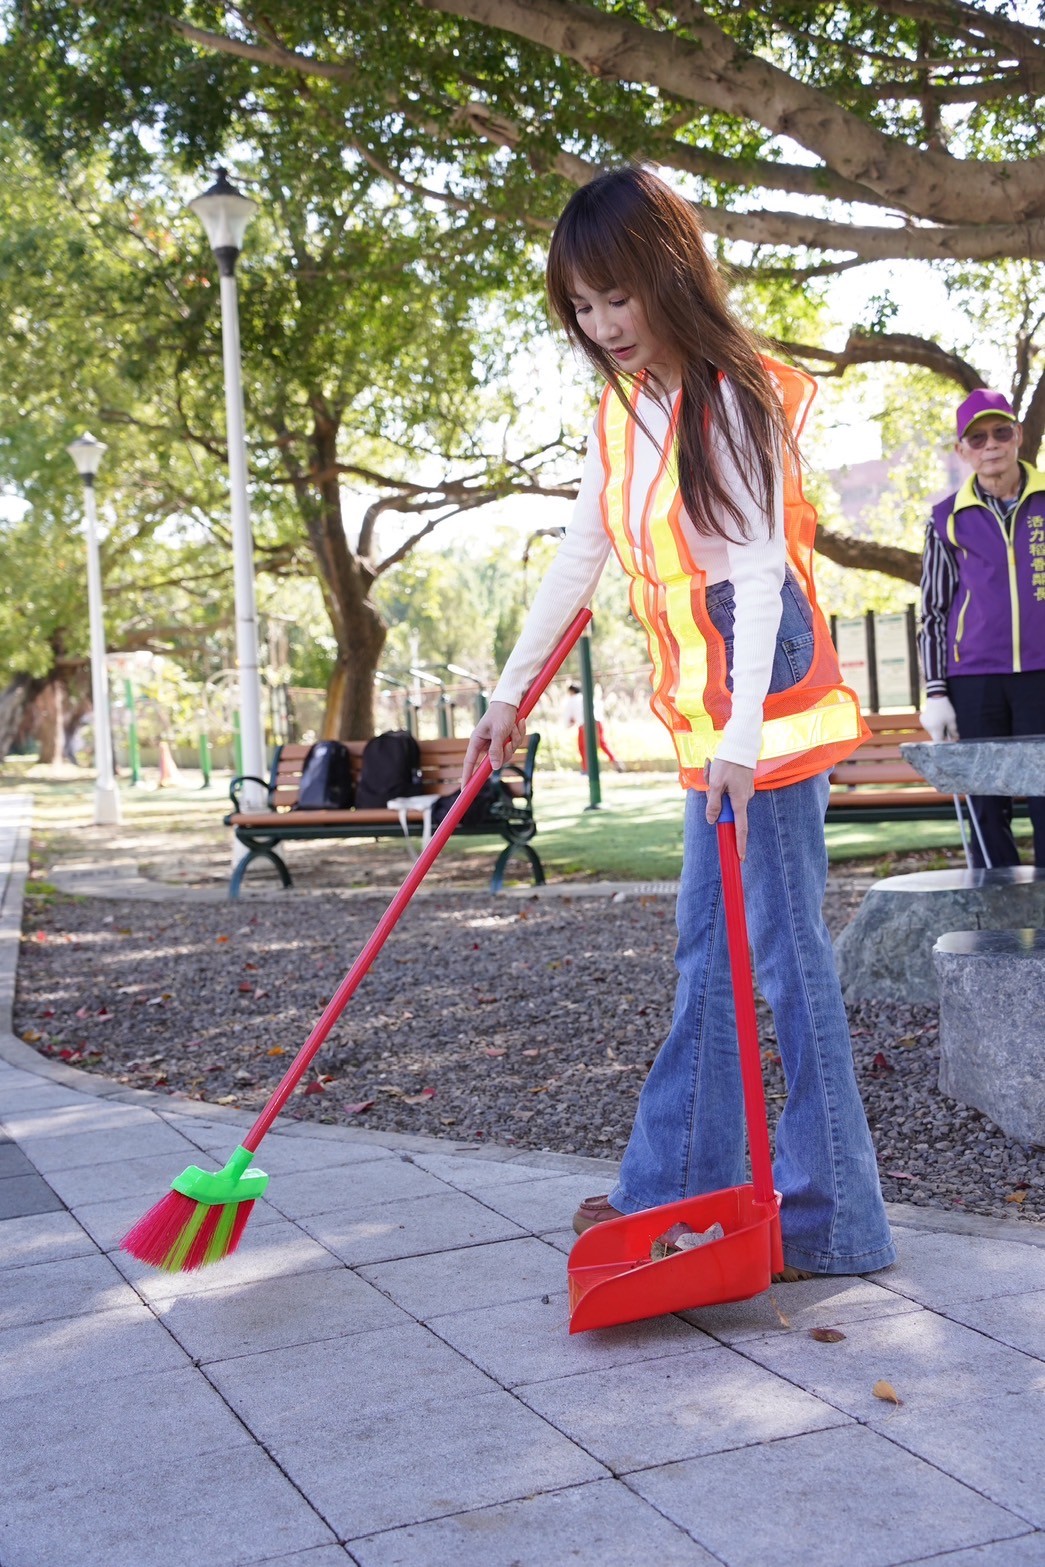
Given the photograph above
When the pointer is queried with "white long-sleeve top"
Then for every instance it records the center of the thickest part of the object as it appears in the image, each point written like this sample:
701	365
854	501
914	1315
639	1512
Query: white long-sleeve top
755	566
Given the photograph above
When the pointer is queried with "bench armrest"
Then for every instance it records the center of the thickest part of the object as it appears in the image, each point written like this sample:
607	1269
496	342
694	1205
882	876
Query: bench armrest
243	778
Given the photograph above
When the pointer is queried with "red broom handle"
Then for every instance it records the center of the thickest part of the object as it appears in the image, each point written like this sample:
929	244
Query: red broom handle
744	1006
339	1000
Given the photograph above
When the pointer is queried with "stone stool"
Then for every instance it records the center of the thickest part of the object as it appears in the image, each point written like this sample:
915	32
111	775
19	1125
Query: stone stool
886	952
992	1026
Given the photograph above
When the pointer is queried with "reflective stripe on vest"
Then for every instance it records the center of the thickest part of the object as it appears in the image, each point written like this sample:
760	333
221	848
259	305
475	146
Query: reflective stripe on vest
807	728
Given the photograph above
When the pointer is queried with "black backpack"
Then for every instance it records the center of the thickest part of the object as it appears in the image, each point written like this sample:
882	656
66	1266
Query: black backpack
483	808
391	768
326	778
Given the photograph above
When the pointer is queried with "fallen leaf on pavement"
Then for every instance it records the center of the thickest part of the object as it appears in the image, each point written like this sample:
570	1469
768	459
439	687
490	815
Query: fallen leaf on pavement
826	1335
277	1050
886	1392
1012	1197
419	1099
357	1109
315	1088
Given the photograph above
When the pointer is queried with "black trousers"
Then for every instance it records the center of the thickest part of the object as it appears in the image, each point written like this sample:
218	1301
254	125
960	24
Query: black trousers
988	707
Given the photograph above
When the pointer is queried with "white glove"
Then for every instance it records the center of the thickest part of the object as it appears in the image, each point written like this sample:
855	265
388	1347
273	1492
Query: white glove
939	718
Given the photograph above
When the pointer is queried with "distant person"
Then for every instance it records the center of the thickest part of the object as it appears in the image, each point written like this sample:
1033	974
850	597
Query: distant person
983	607
573	714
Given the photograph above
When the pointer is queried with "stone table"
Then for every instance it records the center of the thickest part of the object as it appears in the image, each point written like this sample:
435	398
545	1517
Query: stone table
1011	766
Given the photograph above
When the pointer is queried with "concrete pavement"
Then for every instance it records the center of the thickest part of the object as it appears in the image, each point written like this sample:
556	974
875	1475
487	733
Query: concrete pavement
382	1373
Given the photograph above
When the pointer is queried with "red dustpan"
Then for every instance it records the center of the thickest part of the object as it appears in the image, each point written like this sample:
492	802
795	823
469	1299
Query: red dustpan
612	1278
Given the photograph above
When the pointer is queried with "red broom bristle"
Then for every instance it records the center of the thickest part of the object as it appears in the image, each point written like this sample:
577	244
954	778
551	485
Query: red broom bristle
156	1232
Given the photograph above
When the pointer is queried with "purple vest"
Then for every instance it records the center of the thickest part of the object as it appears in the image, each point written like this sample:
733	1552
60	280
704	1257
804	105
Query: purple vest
996	623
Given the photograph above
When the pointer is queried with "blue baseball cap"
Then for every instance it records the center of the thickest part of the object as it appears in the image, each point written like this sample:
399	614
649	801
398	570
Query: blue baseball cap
981	402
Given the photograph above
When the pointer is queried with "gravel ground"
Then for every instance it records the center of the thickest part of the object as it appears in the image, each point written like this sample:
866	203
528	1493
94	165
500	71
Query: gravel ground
529	1023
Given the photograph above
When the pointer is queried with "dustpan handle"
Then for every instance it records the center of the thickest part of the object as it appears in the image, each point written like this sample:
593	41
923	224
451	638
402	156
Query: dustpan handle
744	1006
348	986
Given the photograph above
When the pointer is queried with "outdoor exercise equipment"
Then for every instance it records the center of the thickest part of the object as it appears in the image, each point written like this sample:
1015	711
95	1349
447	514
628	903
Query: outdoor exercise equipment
611	1275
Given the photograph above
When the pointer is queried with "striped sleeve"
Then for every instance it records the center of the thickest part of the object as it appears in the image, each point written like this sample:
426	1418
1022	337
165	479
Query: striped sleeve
939	585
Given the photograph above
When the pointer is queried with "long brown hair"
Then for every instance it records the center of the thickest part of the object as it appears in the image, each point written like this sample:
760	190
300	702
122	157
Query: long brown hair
627	230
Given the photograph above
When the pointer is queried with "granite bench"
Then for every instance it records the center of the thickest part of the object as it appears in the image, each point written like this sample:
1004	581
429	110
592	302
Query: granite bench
886	952
992	1039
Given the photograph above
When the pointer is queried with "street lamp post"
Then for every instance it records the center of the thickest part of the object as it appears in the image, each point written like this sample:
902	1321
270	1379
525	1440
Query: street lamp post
225	213
87	453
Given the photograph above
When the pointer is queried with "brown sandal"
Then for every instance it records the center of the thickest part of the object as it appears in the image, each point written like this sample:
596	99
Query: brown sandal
594	1210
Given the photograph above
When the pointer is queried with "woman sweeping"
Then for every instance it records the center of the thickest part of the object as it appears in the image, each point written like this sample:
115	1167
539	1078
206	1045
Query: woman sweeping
692	479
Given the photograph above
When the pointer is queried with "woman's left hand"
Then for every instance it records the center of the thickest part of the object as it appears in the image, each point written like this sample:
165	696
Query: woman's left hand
739	783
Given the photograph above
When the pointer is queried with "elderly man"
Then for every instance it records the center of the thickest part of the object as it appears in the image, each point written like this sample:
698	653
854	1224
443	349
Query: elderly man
983	606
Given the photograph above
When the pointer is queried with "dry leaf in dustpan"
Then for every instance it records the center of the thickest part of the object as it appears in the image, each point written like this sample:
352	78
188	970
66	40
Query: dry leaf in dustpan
886	1392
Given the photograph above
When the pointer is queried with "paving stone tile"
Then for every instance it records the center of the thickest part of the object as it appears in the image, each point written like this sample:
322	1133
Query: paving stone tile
562	1239
126	1341
938	1269
413	1463
319	1556
279	1153
476	1176
267	1251
32	1126
926	1359
274	1313
812	1303
44	1237
528	1341
142	1178
351	1187
409	1228
50	1154
634	1416
37	1093
432	1286
598	1525
1017	1320
108	1222
309	1393
183	1512
13	1161
22	1195
994	1444
47	1291
1027	1551
124	1427
545	1203
821	1499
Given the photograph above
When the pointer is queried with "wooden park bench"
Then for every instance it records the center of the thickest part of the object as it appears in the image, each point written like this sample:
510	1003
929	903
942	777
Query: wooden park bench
875	784
261	832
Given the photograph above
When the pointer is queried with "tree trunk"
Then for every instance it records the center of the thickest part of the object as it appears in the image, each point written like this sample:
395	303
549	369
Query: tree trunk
346	581
50	718
14	703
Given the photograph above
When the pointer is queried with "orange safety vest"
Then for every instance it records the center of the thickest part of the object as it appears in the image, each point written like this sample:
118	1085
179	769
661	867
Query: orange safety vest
806	729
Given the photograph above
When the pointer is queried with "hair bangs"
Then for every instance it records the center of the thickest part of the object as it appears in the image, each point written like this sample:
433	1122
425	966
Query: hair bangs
590	246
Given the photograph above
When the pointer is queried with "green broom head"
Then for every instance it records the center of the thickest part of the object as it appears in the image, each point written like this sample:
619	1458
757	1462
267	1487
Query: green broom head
201	1219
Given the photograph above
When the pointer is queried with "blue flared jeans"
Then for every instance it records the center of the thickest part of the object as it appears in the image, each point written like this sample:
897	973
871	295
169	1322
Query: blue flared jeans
689	1135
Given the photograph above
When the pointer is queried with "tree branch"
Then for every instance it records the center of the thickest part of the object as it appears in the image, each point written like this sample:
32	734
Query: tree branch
712	70
867	555
865	348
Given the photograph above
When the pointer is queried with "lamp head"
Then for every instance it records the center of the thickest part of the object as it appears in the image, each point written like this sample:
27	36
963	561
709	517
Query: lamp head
87	453
224	213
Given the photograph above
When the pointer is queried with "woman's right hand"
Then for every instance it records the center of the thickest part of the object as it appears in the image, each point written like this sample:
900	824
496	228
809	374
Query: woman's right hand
498	733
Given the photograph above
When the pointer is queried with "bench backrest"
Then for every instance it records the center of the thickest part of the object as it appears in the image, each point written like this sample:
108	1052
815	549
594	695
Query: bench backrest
878	760
441	762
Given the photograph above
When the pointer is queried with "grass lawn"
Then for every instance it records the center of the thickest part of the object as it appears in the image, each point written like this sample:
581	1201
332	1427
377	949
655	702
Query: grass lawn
636	835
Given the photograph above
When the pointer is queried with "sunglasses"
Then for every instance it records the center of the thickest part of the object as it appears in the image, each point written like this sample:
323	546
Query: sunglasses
1002	433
